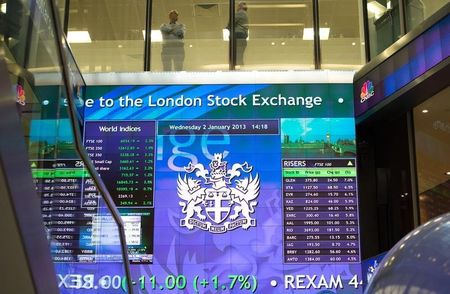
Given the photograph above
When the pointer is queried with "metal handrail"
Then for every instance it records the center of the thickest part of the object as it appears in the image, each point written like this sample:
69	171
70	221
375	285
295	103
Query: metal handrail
61	41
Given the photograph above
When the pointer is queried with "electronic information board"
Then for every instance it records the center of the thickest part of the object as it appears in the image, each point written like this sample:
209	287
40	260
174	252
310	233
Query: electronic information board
224	188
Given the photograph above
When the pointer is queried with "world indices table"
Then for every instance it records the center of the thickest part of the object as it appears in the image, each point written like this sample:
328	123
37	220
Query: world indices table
123	153
320	211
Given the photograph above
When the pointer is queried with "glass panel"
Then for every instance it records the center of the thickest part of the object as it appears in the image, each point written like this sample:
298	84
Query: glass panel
13	30
384	24
83	235
279	35
61	4
77	85
432	136
341	34
419	10
192	37
107	36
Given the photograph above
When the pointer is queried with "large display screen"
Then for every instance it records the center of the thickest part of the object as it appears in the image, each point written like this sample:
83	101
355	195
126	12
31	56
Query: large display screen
226	188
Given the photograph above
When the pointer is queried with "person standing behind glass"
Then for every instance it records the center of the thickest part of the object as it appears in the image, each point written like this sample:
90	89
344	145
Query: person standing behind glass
241	31
173	43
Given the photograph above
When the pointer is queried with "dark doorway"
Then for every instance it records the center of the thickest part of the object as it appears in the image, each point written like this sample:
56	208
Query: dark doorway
386	198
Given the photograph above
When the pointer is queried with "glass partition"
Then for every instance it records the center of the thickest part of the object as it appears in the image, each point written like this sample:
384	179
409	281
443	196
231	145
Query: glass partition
107	36
432	142
189	35
270	35
76	83
383	24
341	34
419	10
274	35
82	230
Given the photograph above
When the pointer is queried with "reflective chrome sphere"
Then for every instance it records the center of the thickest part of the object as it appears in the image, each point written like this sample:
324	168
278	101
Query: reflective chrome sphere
419	263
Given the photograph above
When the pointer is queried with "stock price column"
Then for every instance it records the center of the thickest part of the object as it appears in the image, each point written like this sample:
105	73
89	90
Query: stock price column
66	214
320	211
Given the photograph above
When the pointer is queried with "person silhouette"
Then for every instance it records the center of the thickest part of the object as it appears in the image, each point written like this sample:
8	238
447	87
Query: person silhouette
241	31
173	43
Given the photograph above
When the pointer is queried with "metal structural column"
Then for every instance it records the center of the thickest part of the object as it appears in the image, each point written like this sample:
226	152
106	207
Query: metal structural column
316	26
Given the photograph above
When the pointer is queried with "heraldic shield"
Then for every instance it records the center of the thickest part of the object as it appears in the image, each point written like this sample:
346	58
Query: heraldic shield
220	199
218	204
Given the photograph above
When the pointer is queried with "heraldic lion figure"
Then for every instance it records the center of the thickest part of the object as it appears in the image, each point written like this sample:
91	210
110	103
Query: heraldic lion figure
190	191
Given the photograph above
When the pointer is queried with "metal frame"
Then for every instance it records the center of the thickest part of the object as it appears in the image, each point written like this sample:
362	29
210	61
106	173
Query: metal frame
225	77
316	28
148	35
79	143
66	17
232	40
413	168
22	194
365	16
402	16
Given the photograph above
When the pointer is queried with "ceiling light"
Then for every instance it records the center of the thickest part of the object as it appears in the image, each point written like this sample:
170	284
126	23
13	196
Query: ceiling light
226	35
155	35
425	111
253	6
288	24
3	7
78	37
119	46
447	173
376	8
353	44
308	33
273	43
283	43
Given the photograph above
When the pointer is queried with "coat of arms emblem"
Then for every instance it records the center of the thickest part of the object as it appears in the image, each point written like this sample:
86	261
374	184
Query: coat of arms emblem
219	199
